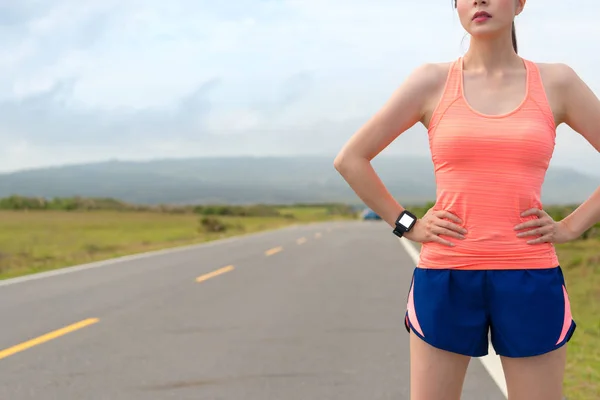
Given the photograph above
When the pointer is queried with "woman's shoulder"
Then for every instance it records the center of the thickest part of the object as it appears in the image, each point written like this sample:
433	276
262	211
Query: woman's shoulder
556	75
557	78
429	81
432	74
430	78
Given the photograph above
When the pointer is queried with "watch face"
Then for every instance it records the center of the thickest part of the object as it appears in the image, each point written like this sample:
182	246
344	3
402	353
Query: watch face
406	220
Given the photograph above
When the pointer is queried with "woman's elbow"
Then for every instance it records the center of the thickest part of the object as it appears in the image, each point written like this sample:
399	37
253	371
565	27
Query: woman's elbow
337	161
340	161
345	162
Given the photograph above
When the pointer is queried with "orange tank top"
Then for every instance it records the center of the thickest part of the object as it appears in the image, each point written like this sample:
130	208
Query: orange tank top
488	170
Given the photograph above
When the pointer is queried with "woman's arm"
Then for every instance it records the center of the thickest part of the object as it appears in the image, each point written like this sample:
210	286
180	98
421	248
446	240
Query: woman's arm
409	104
581	111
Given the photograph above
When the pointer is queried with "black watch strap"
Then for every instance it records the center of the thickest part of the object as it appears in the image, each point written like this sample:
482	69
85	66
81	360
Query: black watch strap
398	232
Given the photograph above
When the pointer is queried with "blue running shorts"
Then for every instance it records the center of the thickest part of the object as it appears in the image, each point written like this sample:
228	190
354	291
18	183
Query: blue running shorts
525	312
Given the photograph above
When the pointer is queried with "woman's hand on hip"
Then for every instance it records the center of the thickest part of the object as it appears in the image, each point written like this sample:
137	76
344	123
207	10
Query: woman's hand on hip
435	223
545	228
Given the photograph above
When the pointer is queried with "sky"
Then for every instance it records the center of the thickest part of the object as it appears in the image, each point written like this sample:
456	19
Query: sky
85	81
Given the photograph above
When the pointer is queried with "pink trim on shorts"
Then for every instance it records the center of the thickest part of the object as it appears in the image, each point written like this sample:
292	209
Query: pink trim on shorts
412	315
568	317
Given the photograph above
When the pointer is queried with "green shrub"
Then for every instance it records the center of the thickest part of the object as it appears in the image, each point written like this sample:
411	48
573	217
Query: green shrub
211	224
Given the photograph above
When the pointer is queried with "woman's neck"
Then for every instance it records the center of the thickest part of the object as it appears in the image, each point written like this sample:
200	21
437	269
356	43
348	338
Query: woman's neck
491	54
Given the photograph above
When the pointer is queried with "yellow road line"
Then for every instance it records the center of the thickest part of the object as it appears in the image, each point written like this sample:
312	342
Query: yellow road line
217	272
301	240
47	337
274	250
318	235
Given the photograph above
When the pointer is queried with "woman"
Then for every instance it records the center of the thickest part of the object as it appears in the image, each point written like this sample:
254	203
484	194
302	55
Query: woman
487	263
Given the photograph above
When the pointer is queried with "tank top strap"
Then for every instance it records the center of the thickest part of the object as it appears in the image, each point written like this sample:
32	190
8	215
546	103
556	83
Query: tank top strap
537	92
451	92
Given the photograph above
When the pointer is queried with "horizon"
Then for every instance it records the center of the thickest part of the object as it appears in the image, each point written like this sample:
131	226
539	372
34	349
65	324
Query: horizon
256	157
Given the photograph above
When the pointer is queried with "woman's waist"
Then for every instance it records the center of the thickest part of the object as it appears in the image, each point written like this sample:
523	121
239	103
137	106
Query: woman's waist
492	241
493	213
493	194
488	253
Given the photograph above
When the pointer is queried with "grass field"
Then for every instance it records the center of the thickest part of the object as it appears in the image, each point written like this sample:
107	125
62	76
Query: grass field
33	241
580	261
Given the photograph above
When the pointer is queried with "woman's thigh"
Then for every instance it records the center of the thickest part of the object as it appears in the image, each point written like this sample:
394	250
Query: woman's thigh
435	374
536	378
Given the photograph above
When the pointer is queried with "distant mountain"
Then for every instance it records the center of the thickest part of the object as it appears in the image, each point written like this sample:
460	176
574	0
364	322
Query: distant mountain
243	180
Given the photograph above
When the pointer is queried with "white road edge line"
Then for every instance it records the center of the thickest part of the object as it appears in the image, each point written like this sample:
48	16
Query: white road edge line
139	256
491	362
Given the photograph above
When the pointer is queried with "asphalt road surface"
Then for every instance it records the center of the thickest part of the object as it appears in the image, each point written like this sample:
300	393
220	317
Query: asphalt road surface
307	312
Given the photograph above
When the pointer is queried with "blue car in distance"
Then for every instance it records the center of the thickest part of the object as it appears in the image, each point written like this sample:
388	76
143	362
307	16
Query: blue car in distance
369	214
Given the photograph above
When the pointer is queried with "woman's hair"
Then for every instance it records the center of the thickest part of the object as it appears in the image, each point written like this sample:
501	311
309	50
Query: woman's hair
514	32
514	37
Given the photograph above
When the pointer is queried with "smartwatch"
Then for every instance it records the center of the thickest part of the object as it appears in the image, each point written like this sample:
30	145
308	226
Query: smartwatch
404	223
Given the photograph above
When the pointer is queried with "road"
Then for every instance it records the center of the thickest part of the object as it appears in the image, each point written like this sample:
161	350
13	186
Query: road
306	312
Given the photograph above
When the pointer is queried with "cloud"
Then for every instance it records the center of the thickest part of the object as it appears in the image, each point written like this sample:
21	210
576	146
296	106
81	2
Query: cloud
147	78
45	119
